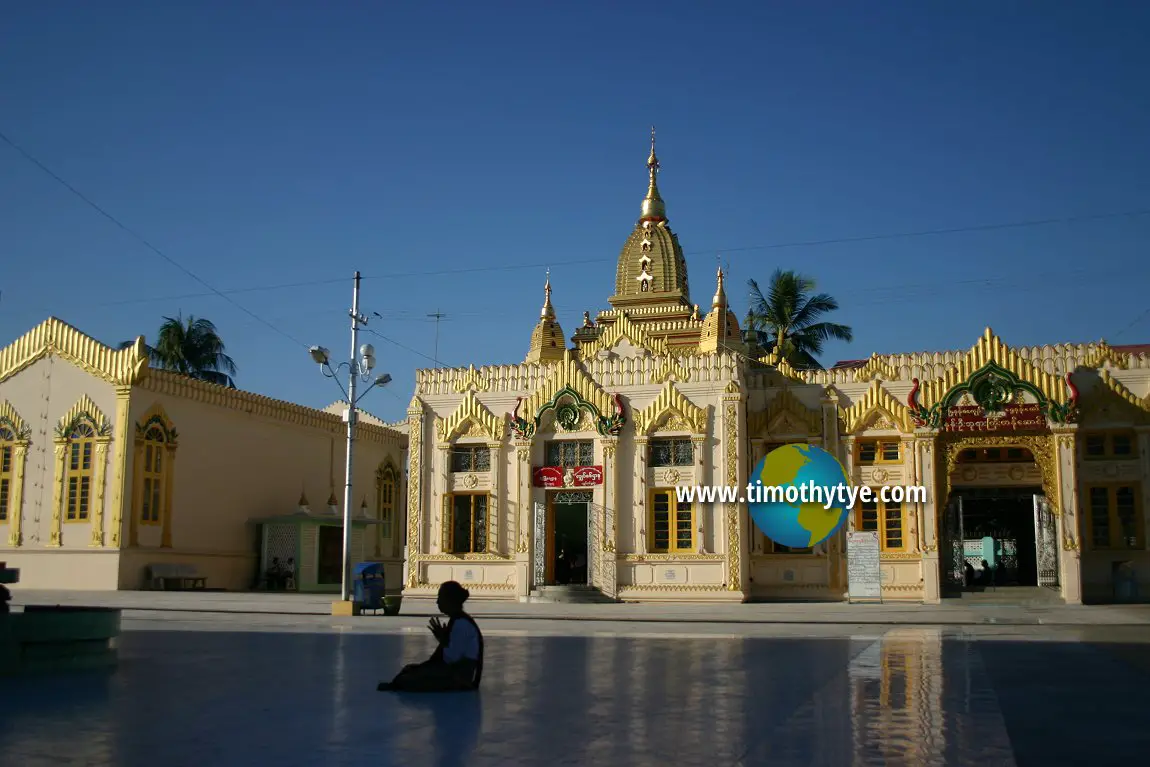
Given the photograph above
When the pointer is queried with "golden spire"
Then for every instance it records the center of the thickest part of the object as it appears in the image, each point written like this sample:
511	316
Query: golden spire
653	203
548	311
720	299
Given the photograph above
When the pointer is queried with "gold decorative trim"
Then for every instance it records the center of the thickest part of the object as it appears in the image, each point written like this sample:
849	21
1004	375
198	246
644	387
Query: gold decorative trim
568	374
670	370
877	400
668	404
83	409
471	412
734	540
1041	447
875	368
1119	388
1104	353
472	380
120	464
21	433
990	348
673	587
414	488
53	336
900	556
60	448
8	415
776	419
672	557
782	366
477	557
624	328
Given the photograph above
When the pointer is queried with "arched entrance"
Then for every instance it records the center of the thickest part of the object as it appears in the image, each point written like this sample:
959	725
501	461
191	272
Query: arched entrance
999	528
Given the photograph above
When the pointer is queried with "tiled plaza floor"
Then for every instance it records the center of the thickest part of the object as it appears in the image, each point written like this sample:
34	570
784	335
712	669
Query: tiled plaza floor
904	696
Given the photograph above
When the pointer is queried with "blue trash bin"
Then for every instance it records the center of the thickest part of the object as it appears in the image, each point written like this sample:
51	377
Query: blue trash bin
367	586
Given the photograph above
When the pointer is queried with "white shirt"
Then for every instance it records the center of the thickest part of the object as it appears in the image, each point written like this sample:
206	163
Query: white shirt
463	642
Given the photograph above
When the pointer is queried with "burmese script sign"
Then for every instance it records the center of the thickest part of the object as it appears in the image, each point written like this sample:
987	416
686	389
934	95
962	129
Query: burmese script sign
1014	417
570	476
864	574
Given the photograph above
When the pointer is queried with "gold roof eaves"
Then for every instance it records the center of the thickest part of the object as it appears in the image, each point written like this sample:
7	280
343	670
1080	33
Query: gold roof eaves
671	401
53	336
470	410
877	398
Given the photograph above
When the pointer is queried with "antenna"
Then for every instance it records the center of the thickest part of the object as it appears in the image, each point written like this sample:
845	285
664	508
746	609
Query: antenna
438	315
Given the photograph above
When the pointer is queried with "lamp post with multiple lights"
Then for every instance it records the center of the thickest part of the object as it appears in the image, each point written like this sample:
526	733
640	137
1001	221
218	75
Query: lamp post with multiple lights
360	365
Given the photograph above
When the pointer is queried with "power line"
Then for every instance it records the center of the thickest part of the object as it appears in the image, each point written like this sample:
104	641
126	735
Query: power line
143	240
581	262
438	315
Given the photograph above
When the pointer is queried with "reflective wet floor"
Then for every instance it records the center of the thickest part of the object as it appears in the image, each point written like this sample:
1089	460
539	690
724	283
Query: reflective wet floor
906	696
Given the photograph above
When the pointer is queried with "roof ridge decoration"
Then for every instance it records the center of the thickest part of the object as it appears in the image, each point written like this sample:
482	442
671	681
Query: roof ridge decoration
1104	352
876	367
10	418
670	370
83	410
119	367
471	412
568	378
784	367
780	410
625	328
989	368
1119	388
877	400
671	403
472	379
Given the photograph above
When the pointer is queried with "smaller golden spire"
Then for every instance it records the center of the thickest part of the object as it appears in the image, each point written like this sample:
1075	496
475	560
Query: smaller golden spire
720	299
653	203
548	311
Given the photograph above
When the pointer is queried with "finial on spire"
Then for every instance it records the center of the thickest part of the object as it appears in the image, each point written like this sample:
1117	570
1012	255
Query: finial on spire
720	299
653	204
548	311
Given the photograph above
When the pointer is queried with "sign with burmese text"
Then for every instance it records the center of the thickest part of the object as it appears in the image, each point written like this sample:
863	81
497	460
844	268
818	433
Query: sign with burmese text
1014	417
567	476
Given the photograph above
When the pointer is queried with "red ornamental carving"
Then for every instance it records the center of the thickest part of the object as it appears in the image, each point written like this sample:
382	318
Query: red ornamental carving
559	476
1015	417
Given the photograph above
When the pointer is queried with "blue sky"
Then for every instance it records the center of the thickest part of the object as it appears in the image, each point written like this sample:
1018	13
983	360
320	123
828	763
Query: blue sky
263	144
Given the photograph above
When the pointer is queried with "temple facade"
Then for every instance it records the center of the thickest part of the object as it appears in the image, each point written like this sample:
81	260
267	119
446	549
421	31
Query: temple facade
114	474
562	470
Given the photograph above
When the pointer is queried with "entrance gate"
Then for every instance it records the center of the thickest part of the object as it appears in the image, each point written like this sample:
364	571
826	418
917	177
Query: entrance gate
953	553
1046	543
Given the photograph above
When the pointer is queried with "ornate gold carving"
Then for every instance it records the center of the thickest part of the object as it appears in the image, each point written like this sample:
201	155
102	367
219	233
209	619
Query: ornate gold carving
414	488
879	475
621	329
670	370
875	368
472	380
672	587
1066	440
733	387
734	540
84	409
522	547
523	454
609	447
1116	386
477	557
1104	353
117	367
10	419
782	366
673	557
1041	447
568	374
876	400
470	481
671	404
900	556
990	348
471	414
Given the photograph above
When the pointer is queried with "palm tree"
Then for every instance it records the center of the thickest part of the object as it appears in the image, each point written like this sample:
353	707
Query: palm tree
786	319
193	348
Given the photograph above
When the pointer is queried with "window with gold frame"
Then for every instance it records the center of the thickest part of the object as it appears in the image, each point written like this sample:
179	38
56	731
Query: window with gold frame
869	452
888	518
671	524
470	458
1109	446
79	471
467	525
1114	519
153	475
385	500
7	473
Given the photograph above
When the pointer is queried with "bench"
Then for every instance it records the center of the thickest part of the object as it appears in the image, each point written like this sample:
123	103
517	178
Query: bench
175	577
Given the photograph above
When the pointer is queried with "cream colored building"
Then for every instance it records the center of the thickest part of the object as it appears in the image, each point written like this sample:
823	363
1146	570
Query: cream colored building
581	446
110	466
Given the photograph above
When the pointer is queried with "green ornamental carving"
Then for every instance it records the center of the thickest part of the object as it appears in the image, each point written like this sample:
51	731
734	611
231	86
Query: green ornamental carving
568	415
992	387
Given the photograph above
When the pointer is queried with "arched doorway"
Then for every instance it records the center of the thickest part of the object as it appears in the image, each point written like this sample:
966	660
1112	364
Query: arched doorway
999	528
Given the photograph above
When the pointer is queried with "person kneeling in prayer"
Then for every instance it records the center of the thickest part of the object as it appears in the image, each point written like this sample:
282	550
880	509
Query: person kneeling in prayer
457	664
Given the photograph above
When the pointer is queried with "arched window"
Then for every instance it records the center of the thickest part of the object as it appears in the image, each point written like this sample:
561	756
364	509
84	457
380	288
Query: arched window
153	472
78	477
7	472
385	500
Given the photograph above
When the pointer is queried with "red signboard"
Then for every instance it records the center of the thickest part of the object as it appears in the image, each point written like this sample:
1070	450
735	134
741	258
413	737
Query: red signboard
1014	417
574	476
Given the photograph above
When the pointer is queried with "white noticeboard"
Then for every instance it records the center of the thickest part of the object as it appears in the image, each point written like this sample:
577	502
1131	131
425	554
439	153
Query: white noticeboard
864	577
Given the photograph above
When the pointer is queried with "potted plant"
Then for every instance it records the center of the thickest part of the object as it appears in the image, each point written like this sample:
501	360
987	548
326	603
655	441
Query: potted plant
391	603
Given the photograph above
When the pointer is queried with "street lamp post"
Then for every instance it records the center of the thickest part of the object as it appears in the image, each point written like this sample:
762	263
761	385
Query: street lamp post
358	366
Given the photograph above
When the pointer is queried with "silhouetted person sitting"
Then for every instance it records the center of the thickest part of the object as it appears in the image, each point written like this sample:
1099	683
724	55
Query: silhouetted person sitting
457	664
5	595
